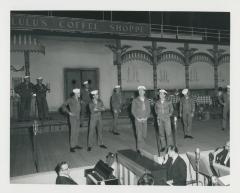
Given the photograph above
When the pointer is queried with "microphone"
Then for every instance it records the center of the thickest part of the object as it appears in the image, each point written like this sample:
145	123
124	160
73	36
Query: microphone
197	156
197	153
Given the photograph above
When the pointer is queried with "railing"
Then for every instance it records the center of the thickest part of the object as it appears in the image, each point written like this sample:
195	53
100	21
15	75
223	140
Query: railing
207	34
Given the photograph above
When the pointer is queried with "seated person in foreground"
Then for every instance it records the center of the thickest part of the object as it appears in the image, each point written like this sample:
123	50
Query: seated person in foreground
222	155
176	167
63	172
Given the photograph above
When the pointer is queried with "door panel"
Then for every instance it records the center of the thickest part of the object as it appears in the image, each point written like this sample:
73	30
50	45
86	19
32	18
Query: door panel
92	76
72	80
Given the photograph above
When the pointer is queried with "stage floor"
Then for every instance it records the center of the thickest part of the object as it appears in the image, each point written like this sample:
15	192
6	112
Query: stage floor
54	147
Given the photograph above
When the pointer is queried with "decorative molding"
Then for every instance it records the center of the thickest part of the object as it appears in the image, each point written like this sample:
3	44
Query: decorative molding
136	55
157	50
171	56
225	58
201	57
17	70
21	42
216	52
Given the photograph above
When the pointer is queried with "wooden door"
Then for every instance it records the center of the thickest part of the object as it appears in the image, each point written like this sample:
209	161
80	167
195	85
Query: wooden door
92	76
74	78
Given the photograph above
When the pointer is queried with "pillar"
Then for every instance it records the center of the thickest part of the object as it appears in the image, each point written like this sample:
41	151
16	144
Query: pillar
27	63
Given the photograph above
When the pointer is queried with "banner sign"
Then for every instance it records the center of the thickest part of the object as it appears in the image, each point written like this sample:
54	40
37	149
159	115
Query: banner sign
77	25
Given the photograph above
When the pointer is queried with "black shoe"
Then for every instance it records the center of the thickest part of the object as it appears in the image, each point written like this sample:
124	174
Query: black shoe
163	149
186	136
78	147
72	149
191	137
116	133
89	148
103	146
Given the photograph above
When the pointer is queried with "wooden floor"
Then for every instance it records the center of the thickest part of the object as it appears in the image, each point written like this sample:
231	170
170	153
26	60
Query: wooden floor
54	147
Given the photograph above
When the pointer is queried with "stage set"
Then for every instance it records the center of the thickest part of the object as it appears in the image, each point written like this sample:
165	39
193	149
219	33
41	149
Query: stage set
65	49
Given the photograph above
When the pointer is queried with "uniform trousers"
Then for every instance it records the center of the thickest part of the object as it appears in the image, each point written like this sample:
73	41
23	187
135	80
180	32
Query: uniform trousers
225	119
25	108
141	132
164	127
187	123
115	121
75	130
95	127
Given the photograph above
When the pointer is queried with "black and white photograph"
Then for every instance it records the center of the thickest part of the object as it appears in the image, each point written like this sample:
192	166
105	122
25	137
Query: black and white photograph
121	98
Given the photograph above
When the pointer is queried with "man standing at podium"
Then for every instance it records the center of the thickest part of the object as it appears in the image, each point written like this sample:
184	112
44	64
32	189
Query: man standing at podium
141	112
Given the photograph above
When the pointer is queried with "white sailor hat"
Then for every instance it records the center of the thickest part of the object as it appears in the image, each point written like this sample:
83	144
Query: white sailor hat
26	77
141	87
86	82
162	91
94	92
228	86
185	91
76	90
40	78
117	86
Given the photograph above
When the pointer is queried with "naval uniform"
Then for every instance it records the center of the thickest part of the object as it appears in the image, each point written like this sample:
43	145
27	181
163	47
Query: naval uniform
187	108
72	105
116	103
25	90
95	107
141	109
225	101
42	106
164	110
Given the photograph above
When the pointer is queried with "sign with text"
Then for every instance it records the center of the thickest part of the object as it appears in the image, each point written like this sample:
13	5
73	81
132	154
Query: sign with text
64	24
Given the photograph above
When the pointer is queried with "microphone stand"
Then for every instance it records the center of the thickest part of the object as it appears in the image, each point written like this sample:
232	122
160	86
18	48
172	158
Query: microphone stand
197	153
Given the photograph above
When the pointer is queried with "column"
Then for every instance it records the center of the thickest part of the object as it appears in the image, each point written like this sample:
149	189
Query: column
154	54
119	62
27	63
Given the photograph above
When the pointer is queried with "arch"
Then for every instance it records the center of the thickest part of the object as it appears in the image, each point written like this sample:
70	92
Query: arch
201	57
225	58
136	55
171	56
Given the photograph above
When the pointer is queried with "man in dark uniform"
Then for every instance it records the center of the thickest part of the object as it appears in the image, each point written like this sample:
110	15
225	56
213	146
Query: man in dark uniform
85	100
164	110
141	112
64	174
96	107
116	104
225	102
72	107
25	90
40	90
186	112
